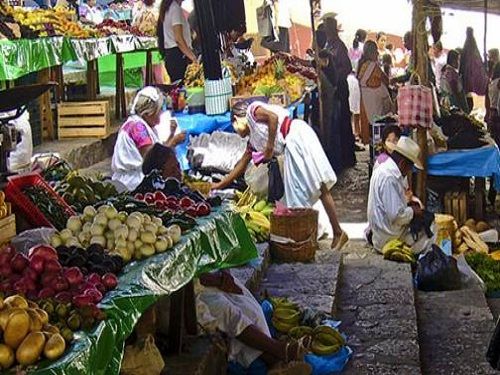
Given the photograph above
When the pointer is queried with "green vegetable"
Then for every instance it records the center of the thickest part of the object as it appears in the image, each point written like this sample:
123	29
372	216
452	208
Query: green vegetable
50	207
487	268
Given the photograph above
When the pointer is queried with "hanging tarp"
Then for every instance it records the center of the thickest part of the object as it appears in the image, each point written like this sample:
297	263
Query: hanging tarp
23	56
83	50
220	241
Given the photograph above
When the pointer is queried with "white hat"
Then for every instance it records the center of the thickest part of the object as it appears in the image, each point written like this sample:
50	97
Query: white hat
409	149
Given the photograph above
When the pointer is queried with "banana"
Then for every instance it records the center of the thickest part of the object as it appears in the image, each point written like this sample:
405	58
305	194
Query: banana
389	252
282	326
260	220
402	257
394	243
260	205
330	331
267	211
287	315
299	332
320	349
282	302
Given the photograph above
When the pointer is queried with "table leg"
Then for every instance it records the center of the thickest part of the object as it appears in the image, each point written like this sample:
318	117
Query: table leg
149	68
176	322
91	81
120	107
97	83
43	76
59	78
190	309
479	197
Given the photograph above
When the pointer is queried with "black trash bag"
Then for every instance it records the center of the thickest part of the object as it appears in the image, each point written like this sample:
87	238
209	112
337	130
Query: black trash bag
493	353
437	271
276	189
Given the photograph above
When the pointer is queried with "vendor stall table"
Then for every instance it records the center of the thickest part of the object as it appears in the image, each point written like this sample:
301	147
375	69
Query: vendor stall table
220	241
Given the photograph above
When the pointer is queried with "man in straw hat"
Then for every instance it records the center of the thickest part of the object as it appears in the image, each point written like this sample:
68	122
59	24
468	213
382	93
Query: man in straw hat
389	214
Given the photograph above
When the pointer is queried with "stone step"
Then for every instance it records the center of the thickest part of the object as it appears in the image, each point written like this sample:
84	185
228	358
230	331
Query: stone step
312	285
454	331
205	356
377	308
81	152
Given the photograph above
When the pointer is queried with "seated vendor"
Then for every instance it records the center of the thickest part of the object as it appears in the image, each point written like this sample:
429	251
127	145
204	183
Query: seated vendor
390	134
224	304
389	212
137	137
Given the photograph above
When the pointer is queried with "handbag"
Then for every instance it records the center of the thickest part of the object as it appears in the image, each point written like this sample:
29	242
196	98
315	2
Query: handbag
265	20
415	104
276	189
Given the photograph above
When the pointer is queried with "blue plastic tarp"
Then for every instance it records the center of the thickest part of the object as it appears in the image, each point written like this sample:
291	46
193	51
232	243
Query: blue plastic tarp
480	162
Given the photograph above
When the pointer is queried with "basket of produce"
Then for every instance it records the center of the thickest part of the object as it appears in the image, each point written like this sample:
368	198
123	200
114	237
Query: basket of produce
37	201
294	235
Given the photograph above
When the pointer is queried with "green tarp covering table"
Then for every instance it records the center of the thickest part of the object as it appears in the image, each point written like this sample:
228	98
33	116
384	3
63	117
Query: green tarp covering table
220	241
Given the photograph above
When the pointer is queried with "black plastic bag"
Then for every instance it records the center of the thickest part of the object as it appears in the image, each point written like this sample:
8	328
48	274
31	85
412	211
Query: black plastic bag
276	189
493	353
437	271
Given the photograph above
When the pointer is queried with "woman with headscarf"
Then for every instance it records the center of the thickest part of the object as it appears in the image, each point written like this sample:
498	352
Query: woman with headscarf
375	97
174	39
472	70
137	137
308	175
451	83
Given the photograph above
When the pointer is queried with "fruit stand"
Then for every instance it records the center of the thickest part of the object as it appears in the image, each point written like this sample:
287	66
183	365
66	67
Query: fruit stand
76	275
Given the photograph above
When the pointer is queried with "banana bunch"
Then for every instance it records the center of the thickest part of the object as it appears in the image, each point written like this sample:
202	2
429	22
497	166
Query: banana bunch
326	340
285	319
465	240
300	331
256	215
398	251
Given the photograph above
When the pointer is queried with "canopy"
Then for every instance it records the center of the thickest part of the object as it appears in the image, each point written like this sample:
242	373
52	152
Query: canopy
477	5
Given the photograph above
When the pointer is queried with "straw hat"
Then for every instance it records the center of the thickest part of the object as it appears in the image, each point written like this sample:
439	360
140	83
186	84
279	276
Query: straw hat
328	15
409	149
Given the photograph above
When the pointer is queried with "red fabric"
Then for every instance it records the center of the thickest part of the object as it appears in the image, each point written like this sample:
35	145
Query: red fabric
139	134
285	126
415	106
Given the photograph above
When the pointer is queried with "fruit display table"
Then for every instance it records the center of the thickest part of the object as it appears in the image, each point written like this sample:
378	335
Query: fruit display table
220	240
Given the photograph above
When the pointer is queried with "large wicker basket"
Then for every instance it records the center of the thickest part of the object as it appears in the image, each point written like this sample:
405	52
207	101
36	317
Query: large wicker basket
302	227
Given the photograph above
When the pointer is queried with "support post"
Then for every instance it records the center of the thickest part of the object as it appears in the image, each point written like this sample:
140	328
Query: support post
485	33
421	63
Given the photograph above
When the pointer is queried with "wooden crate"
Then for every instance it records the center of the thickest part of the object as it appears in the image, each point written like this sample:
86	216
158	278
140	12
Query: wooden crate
456	204
7	228
83	119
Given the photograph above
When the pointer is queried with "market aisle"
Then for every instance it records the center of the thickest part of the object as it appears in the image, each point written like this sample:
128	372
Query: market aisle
377	310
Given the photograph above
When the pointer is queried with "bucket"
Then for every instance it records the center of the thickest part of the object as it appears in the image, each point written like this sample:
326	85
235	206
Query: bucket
294	236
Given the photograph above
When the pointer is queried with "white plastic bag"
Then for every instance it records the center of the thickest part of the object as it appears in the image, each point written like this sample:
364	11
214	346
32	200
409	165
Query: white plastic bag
20	158
469	278
33	237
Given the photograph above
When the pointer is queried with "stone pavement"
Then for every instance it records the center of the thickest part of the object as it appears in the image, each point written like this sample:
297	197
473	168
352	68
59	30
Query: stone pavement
376	307
454	329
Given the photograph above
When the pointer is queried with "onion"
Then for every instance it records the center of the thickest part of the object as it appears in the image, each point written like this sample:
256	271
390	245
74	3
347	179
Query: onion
148	237
55	240
100	240
114	223
121	231
110	212
161	244
96	230
133	222
89	212
74	224
151	228
132	235
175	232
65	234
147	250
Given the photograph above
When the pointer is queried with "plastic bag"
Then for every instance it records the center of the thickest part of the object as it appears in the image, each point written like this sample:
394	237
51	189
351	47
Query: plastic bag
142	359
469	278
276	188
257	179
437	272
493	353
33	237
330	364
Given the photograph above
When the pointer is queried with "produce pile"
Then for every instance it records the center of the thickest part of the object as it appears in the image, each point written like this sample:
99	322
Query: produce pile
49	205
466	239
255	213
287	319
195	77
398	251
131	236
79	191
487	268
59	301
111	27
278	74
57	21
10	28
27	335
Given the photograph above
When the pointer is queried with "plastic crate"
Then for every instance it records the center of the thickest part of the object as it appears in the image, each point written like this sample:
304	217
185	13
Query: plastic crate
14	194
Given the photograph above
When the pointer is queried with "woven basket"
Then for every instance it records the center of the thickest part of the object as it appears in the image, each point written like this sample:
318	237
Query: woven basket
302	227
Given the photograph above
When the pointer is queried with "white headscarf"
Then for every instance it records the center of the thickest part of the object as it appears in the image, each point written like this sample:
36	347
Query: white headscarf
149	92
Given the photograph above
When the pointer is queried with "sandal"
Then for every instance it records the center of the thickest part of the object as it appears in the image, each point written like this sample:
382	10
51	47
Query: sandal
340	241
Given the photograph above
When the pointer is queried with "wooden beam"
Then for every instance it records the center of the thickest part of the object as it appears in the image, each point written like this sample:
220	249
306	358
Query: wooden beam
421	64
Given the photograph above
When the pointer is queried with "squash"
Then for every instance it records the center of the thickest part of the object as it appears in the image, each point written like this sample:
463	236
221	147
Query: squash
55	347
16	301
6	356
31	348
35	320
17	328
44	317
